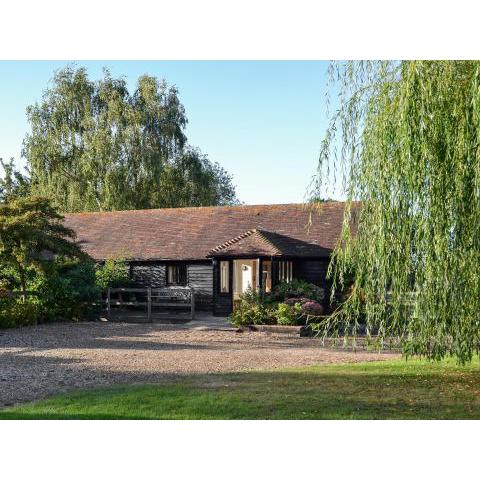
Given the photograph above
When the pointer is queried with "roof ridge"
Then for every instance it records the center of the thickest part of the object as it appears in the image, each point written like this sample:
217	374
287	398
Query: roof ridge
209	207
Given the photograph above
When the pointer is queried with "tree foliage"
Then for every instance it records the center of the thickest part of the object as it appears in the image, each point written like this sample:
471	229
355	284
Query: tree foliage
112	273
38	255
13	184
406	140
191	180
66	289
96	146
31	233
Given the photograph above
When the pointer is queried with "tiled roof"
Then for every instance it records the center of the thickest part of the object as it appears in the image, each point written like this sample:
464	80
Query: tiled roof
250	242
261	242
192	233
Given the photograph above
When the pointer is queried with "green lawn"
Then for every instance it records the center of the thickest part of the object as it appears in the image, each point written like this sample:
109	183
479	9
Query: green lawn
394	389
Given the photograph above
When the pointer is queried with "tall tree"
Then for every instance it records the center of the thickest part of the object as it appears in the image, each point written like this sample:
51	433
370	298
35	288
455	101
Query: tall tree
406	138
191	180
95	146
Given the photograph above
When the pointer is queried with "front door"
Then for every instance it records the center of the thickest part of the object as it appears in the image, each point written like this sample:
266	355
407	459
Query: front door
247	278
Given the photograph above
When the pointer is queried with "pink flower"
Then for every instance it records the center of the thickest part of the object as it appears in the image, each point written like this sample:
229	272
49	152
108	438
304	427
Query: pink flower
312	308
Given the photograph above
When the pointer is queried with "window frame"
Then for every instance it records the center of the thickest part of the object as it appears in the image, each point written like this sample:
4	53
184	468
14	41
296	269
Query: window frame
178	267
285	271
267	275
224	276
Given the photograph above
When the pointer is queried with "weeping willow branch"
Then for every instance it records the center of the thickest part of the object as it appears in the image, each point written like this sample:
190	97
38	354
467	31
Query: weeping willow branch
405	142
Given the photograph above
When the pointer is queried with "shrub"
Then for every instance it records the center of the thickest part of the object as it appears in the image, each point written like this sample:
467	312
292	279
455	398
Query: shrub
16	313
251	315
288	314
113	273
251	310
312	308
294	300
67	290
38	255
294	308
64	290
298	289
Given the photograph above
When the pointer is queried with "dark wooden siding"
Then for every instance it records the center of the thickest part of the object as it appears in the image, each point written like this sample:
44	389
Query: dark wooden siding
222	302
312	271
204	278
148	274
200	278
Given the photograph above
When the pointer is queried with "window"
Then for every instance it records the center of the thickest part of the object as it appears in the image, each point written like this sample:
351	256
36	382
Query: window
224	277
285	271
177	274
267	276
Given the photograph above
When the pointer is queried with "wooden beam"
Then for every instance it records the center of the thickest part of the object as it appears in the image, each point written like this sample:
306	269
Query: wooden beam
149	304
192	304
108	303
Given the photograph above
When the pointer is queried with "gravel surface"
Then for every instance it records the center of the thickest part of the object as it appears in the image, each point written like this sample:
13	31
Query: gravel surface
36	362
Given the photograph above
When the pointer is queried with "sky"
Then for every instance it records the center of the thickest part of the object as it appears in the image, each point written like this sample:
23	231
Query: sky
263	121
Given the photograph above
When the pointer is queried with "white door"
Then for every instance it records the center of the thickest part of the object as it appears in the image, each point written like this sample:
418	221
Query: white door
246	278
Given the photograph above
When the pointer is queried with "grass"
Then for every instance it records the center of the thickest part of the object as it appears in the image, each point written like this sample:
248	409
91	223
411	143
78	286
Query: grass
396	389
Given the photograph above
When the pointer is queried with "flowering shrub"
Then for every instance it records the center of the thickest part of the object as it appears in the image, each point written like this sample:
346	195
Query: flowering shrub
294	300
298	289
312	308
282	307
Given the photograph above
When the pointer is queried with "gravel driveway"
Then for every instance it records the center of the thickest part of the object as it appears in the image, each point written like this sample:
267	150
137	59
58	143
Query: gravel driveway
39	361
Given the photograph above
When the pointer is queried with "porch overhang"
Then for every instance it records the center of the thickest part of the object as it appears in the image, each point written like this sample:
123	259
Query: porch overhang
258	243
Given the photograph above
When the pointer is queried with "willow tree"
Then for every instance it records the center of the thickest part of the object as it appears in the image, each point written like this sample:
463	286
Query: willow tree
98	146
406	141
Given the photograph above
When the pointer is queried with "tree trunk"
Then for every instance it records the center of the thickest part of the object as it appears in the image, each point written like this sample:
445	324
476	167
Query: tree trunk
23	286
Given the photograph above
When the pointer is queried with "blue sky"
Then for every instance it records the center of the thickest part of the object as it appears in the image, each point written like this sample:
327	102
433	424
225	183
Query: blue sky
263	121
